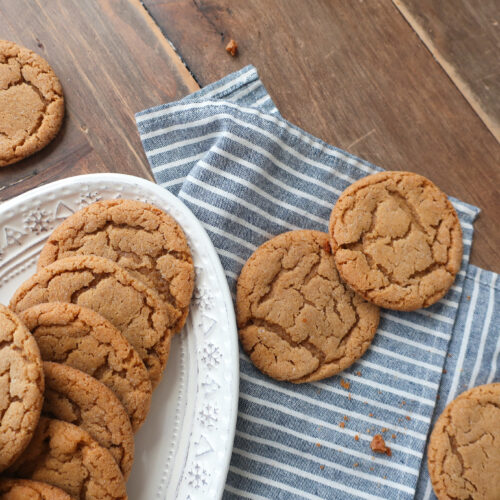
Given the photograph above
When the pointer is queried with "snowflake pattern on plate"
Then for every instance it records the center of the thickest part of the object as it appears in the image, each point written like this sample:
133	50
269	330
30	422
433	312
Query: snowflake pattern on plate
211	355
203	298
208	415
88	197
37	221
197	476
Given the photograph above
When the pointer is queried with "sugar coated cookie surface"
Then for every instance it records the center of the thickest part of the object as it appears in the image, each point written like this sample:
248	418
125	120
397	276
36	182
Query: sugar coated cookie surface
105	287
31	103
21	386
65	456
78	398
83	339
297	320
24	489
397	240
464	448
140	237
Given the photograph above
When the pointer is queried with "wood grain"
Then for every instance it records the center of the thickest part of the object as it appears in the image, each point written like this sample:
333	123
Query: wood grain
464	37
355	74
112	61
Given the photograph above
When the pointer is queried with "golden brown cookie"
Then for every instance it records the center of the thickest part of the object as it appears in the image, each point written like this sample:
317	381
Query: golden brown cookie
397	240
464	448
83	339
31	103
24	489
78	398
21	386
297	320
105	287
141	238
66	456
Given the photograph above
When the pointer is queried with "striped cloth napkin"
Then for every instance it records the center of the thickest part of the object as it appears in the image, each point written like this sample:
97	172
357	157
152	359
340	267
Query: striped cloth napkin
248	174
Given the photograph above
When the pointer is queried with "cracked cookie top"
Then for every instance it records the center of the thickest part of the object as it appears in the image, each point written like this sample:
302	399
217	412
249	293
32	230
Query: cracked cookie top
78	398
21	386
66	456
99	284
464	448
297	320
31	103
83	339
397	240
141	238
24	489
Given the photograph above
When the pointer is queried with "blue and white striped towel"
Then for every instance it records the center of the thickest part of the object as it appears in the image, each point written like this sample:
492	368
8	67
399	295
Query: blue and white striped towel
248	174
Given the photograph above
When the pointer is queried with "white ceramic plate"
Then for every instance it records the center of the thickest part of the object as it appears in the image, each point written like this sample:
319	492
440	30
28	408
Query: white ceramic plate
184	447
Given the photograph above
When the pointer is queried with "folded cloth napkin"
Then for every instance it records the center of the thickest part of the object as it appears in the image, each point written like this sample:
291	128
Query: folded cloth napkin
248	174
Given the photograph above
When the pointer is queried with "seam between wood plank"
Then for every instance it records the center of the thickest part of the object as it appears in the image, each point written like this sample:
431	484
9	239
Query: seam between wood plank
491	124
186	75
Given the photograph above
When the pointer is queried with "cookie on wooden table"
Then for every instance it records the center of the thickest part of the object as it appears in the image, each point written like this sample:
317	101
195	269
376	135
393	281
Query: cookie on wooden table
83	339
464	448
297	320
140	237
397	240
100	284
78	398
66	456
31	103
21	386
24	489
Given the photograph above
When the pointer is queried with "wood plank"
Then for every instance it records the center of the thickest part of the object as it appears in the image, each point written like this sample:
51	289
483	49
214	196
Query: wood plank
112	61
464	37
356	75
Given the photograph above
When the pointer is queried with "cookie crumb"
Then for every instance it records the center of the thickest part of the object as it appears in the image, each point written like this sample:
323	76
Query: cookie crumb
393	436
346	418
444	371
356	437
370	414
384	429
342	424
355	464
346	385
232	48
358	374
372	469
321	467
407	417
318	445
349	396
378	445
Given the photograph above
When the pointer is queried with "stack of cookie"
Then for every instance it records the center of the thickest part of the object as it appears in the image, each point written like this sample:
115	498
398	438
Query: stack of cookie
308	302
114	283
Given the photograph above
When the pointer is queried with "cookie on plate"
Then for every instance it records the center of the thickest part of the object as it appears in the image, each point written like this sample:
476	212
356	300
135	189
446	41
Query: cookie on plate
78	398
140	237
65	456
21	386
397	240
31	103
83	339
464	448
24	489
297	320
134	309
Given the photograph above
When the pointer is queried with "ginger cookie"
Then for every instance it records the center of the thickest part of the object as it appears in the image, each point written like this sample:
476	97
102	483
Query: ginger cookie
139	237
78	398
464	448
397	240
21	386
83	339
297	320
31	103
24	489
105	287
66	456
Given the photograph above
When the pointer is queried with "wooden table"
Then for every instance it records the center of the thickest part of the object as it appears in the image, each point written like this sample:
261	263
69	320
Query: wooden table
408	84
